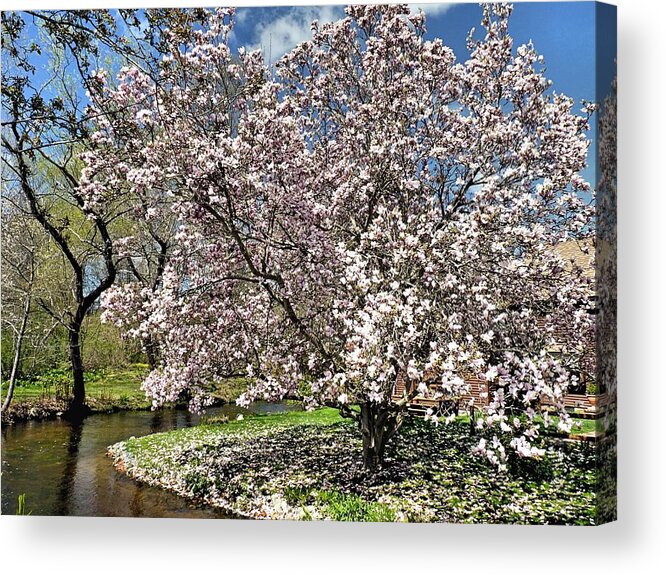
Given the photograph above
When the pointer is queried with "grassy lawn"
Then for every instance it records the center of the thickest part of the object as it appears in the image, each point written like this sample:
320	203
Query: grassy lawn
229	389
112	388
121	386
584	426
249	426
307	465
118	386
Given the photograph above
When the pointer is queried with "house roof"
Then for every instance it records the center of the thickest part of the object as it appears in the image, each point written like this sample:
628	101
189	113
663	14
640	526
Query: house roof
579	253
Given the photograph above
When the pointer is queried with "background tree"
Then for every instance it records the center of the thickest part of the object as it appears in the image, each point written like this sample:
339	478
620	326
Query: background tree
39	131
379	210
20	247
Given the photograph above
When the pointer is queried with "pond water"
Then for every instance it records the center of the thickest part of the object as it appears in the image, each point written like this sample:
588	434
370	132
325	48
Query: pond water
63	469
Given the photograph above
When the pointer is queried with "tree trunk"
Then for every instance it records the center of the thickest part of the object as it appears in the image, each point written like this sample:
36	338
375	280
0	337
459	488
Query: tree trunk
77	405
17	355
378	424
151	354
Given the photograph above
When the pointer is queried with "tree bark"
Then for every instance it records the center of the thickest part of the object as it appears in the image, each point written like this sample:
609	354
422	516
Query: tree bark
378	424
151	353
77	405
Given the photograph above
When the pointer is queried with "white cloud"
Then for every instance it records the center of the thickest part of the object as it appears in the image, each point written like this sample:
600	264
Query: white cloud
432	9
279	36
276	37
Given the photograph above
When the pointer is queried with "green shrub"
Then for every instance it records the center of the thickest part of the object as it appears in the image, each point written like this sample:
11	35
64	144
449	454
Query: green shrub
197	484
230	388
297	495
38	355
591	388
349	507
104	346
56	382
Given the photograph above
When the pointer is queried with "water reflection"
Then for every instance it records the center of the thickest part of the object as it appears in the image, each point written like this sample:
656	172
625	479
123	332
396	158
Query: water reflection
69	469
63	469
157	421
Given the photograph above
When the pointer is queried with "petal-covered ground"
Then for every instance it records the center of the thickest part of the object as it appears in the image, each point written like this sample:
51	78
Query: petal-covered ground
308	466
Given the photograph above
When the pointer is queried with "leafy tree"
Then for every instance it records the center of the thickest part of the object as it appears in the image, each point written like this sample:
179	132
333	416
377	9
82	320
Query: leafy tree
376	210
43	128
20	246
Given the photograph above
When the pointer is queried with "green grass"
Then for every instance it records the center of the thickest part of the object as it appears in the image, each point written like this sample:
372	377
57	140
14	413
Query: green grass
106	388
22	509
229	389
102	385
144	446
121	386
150	449
322	416
338	506
586	426
350	507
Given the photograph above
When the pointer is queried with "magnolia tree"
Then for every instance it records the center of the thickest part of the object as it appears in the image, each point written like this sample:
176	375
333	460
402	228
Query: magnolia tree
374	209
